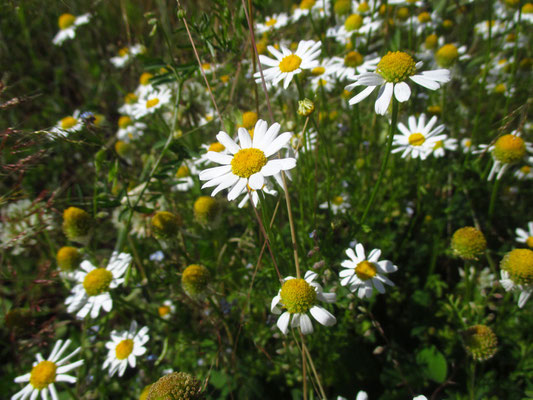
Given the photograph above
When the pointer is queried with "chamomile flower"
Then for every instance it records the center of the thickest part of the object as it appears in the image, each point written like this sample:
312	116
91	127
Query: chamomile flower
523	236
152	102
391	73
363	273
129	129
69	124
249	162
440	147
352	64
466	145
287	64
145	85
129	102
510	286
527	13
339	204
355	24
525	171
272	23
166	310
482	28
318	8
124	347
298	297
126	54
67	27
92	291
419	139
506	151
46	372
184	176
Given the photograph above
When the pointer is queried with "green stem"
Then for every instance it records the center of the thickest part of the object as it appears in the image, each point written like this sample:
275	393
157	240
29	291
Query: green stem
392	130
493	197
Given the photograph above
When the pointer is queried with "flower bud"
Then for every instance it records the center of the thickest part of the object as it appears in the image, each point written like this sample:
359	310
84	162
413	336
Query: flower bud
77	224
176	386
305	107
165	225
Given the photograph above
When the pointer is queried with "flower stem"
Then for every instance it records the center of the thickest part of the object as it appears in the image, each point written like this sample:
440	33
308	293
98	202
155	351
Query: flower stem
392	130
493	197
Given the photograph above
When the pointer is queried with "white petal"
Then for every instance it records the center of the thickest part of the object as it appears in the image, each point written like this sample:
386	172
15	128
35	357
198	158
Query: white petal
273	167
362	95
245	141
256	181
227	142
278	143
283	322
305	324
427	83
237	189
402	91
323	316
219	158
210	173
383	101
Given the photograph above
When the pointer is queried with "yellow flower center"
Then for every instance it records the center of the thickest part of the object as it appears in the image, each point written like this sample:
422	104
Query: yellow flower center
438	144
519	264
123	51
446	55
68	258
271	22
416	139
163	311
529	242
68	122
317	71
509	149
130	98
205	206
527	8
468	243
124	121
526	169
363	7
297	296
424	17
247	162
145	78
216	146
431	41
434	109
366	270
353	59
353	22
195	279
124	349
66	20
480	342
500	88
249	119
183	171
342	7
290	63
152	102
512	3
307	4
97	281
337	200
206	66
402	13
43	374
396	66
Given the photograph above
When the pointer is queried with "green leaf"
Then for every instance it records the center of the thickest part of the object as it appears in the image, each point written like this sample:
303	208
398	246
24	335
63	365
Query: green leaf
433	364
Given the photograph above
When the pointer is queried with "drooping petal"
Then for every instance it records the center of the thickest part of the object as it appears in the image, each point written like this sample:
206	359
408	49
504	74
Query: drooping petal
283	322
402	92
323	316
384	98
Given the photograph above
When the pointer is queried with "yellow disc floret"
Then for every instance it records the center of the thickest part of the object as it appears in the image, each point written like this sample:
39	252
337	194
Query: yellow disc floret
342	7
446	55
206	208
163	311
527	8
353	59
152	102
366	270
124	121
307	4
177	385
519	264
247	162
130	98
337	200
431	41
145	78
468	243
363	7
43	374
76	223
195	279
68	123
480	342
416	139
183	171
97	281
297	295
166	224
353	22
123	51
402	14
529	242
396	66
66	20
290	63
68	258
424	17
124	349
317	71
271	22
216	146
509	149
249	118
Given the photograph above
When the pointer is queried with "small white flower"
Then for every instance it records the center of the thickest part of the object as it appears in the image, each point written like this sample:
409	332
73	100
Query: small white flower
526	237
440	147
166	310
92	291
363	273
46	372
129	129
299	297
339	204
287	64
69	124
151	102
67	25
126	54
419	139
272	23
124	347
466	145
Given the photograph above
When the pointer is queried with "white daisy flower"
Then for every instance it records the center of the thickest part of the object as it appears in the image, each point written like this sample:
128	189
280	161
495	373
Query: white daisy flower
525	171
92	291
129	129
318	8
339	204
152	102
419	139
363	273
47	372
527	13
365	6
355	24
523	236
424	21
272	23
352	64
299	297
126	54
287	64
216	147
67	27
166	310
247	162
69	124
185	174
482	28
129	101
466	145
392	71
145	86
440	147
124	347
510	286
